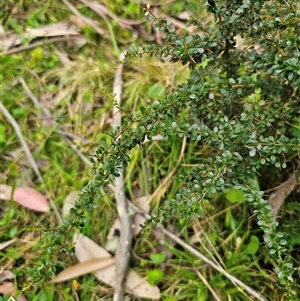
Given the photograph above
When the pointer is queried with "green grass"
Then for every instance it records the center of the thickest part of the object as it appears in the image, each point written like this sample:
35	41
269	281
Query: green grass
74	94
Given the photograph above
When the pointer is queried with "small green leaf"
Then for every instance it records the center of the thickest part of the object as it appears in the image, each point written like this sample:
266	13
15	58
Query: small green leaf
253	245
154	276
188	39
174	125
158	257
252	153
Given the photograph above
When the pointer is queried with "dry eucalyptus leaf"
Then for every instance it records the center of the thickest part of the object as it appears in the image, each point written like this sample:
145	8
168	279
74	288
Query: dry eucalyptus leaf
138	219
7	288
276	199
87	249
6	275
140	287
83	268
25	196
54	30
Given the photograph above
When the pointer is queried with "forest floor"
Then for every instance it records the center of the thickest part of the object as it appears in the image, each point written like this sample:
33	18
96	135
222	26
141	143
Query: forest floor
59	61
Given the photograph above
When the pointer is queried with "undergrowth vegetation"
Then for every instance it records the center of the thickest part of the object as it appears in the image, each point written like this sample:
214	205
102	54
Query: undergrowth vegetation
210	130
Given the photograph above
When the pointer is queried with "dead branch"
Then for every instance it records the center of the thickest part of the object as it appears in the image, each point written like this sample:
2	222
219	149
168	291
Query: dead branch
86	20
41	43
102	11
123	252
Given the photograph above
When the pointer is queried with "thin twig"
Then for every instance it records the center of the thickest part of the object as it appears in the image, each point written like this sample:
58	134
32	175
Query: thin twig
197	230
103	12
123	252
27	151
41	43
86	20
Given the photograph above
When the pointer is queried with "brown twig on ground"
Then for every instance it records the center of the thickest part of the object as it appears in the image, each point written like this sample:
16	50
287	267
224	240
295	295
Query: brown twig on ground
27	151
123	252
41	43
102	11
86	20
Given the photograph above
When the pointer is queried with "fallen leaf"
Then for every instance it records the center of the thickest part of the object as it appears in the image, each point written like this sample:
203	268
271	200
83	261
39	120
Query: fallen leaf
83	268
25	196
6	275
7	288
87	249
142	202
20	298
54	30
276	199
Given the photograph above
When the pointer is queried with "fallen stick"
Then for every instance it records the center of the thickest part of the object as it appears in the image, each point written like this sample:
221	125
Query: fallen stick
124	247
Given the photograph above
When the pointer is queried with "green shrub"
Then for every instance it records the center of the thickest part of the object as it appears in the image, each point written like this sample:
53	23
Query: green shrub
240	102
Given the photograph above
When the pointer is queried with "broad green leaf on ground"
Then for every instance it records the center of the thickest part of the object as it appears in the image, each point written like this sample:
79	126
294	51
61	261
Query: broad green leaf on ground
253	245
87	249
158	258
25	196
154	275
235	196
